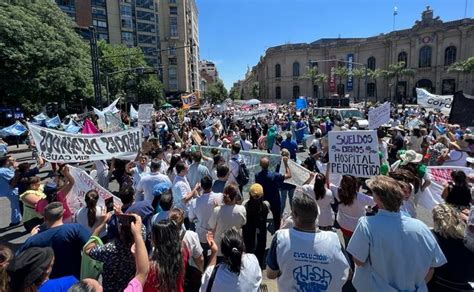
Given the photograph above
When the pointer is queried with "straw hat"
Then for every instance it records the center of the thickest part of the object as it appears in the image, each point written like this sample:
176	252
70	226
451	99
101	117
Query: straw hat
410	156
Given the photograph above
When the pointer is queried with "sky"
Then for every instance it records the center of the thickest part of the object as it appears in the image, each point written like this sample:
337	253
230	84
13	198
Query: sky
235	33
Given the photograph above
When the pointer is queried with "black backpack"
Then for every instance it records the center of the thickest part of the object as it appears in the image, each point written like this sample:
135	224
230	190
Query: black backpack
243	176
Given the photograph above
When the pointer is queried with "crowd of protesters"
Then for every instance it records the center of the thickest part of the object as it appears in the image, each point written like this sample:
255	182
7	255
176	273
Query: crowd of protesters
192	221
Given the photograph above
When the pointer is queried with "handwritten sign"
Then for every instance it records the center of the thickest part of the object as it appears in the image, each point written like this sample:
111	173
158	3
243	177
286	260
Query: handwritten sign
354	153
145	113
379	116
190	100
196	137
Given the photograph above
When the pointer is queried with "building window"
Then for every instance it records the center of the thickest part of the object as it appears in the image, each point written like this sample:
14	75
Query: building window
173	10
371	63
403	57
146	39
426	84
296	69
371	89
146	27
173	26
127	37
278	92
449	87
173	61
425	57
103	36
172	79
144	3
296	91
145	15
126	16
277	71
449	55
99	23
98	11
172	1
172	49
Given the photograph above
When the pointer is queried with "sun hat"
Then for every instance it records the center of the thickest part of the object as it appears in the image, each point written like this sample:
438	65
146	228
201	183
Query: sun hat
256	191
410	156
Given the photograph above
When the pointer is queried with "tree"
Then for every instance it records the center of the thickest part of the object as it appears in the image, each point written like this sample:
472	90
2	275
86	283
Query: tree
42	58
311	74
321	78
398	71
374	75
341	73
465	66
358	74
144	83
235	93
256	90
216	92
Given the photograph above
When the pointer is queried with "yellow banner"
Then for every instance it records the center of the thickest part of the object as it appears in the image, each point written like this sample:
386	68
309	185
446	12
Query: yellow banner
190	100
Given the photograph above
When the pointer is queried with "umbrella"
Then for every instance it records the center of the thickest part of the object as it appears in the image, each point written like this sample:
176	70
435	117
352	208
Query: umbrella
253	102
166	105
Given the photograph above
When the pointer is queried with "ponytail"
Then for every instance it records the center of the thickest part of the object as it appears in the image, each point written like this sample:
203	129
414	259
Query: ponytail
233	248
91	199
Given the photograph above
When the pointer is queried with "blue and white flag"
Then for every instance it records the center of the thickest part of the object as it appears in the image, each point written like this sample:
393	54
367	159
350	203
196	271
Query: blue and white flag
133	113
40	119
17	129
53	122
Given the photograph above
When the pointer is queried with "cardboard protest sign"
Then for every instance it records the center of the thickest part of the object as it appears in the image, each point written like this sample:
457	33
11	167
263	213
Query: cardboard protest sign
190	100
462	110
354	153
379	116
196	137
441	103
58	146
145	113
299	174
82	184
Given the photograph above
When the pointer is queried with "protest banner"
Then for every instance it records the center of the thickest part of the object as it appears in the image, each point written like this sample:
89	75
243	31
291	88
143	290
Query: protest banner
439	177
379	116
251	158
462	110
299	174
441	103
110	122
354	153
58	146
190	100
247	115
133	113
350	65
301	103
145	113
82	184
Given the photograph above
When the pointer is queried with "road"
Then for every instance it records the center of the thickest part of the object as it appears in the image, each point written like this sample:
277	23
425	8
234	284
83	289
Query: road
14	237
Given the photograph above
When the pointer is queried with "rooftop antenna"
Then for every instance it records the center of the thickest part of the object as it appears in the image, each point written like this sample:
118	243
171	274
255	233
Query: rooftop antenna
395	13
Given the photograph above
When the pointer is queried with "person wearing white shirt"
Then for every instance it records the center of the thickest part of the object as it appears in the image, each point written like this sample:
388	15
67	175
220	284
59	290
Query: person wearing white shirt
304	256
196	171
234	164
103	176
144	190
324	198
182	192
244	143
201	209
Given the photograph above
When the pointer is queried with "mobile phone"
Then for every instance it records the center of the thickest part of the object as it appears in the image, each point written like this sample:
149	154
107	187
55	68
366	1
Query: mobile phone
109	204
126	219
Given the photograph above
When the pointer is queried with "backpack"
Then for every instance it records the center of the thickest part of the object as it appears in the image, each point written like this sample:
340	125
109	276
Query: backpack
243	175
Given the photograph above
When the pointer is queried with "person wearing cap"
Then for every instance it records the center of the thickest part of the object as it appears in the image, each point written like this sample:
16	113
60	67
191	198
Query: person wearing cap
304	258
255	230
201	209
165	203
66	240
30	270
389	242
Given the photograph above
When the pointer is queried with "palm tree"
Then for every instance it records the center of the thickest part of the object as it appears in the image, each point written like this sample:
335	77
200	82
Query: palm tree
358	74
321	78
397	71
374	75
312	74
341	73
466	66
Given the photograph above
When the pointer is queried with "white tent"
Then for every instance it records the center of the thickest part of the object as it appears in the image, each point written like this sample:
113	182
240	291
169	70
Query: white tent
253	102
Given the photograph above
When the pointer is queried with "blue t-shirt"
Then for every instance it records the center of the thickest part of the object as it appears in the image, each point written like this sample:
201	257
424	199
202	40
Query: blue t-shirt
6	175
397	252
58	285
67	242
270	182
218	186
291	146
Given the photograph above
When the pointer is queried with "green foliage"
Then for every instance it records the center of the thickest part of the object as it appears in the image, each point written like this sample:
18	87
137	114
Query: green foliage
466	66
119	62
216	92
42	58
358	74
316	77
235	93
341	73
256	90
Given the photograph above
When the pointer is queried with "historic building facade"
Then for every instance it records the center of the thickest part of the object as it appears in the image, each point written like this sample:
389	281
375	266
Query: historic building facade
429	48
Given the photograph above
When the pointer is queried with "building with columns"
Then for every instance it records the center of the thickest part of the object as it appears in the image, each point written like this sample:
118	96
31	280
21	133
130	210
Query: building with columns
429	48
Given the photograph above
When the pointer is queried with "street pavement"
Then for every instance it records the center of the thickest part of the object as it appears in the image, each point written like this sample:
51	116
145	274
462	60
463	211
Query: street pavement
14	237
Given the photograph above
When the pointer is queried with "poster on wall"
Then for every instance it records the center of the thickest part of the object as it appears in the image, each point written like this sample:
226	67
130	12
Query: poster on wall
354	153
350	80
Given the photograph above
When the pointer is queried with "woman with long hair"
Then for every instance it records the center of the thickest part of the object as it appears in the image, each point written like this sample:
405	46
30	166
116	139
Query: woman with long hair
168	259
352	204
171	171
457	192
30	198
448	229
6	255
324	199
88	216
239	270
